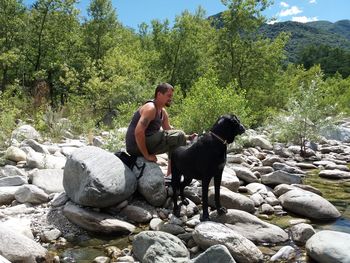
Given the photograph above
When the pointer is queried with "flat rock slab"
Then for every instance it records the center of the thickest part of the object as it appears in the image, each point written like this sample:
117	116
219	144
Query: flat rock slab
96	222
251	227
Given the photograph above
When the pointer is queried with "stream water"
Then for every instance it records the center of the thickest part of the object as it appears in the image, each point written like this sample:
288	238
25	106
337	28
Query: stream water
337	192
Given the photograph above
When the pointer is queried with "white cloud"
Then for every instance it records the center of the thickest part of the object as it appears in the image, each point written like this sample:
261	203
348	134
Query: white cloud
271	22
304	19
284	4
312	2
294	10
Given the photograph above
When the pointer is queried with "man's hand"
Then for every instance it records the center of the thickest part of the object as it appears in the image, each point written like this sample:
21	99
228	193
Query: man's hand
151	158
192	136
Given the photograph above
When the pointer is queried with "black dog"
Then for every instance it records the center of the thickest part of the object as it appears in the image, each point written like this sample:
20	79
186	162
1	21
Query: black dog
203	160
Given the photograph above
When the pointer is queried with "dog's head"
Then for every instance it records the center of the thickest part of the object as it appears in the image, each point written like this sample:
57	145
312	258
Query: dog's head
228	127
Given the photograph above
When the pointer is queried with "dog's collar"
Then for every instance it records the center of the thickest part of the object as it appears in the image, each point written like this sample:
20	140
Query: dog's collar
219	138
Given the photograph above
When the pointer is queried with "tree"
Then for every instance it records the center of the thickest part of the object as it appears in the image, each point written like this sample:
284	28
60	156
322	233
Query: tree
53	43
331	60
180	55
101	29
236	39
12	16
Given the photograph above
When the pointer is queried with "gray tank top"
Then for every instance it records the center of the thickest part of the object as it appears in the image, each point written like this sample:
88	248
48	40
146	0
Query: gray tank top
153	127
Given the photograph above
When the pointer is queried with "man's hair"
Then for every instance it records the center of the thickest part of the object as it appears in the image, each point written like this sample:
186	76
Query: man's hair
163	88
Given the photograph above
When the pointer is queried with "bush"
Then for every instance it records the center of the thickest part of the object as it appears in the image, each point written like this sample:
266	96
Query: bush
304	118
205	102
14	104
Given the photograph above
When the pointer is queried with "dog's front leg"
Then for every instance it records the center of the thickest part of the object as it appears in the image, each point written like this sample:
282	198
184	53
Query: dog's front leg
217	183
205	185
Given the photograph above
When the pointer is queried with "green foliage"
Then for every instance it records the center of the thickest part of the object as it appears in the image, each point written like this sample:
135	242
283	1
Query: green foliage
12	100
100	31
56	125
306	34
206	101
304	118
95	68
331	60
114	141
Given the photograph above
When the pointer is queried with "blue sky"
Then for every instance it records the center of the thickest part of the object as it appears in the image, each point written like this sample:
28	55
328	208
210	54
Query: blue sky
133	12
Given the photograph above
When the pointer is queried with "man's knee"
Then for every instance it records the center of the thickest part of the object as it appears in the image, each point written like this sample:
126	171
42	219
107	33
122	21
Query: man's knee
180	138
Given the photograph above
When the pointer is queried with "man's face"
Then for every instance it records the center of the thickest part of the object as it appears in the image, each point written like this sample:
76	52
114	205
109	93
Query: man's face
167	97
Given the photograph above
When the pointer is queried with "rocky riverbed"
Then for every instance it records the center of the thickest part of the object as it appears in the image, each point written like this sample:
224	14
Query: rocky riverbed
73	202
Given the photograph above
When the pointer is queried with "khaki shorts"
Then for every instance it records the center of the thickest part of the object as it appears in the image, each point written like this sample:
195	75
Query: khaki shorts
163	142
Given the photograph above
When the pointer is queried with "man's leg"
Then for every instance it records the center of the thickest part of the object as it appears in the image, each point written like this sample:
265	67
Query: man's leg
166	142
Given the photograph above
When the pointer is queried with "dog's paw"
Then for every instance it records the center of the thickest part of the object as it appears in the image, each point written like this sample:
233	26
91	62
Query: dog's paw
185	202
222	210
204	218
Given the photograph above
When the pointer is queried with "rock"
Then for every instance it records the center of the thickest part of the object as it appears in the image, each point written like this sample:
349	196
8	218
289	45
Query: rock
136	214
285	253
287	168
159	247
7	194
280	177
260	141
45	161
207	234
48	236
59	199
36	146
19	248
156	223
309	205
258	188
94	177
231	200
229	179
171	229
334	174
282	189
10	170
96	222
50	180
151	184
31	194
216	253
263	169
329	246
308	188
251	227
244	174
15	154
266	209
306	166
257	199
271	160
300	233
25	132
18	225
13	181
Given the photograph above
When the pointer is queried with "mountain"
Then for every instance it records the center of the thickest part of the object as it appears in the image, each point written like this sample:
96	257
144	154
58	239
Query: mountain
317	33
335	35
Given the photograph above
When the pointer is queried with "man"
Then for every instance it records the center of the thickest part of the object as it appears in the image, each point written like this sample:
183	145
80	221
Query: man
145	137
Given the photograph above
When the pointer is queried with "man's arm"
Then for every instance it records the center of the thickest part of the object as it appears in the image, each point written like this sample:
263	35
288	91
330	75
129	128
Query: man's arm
147	115
166	123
